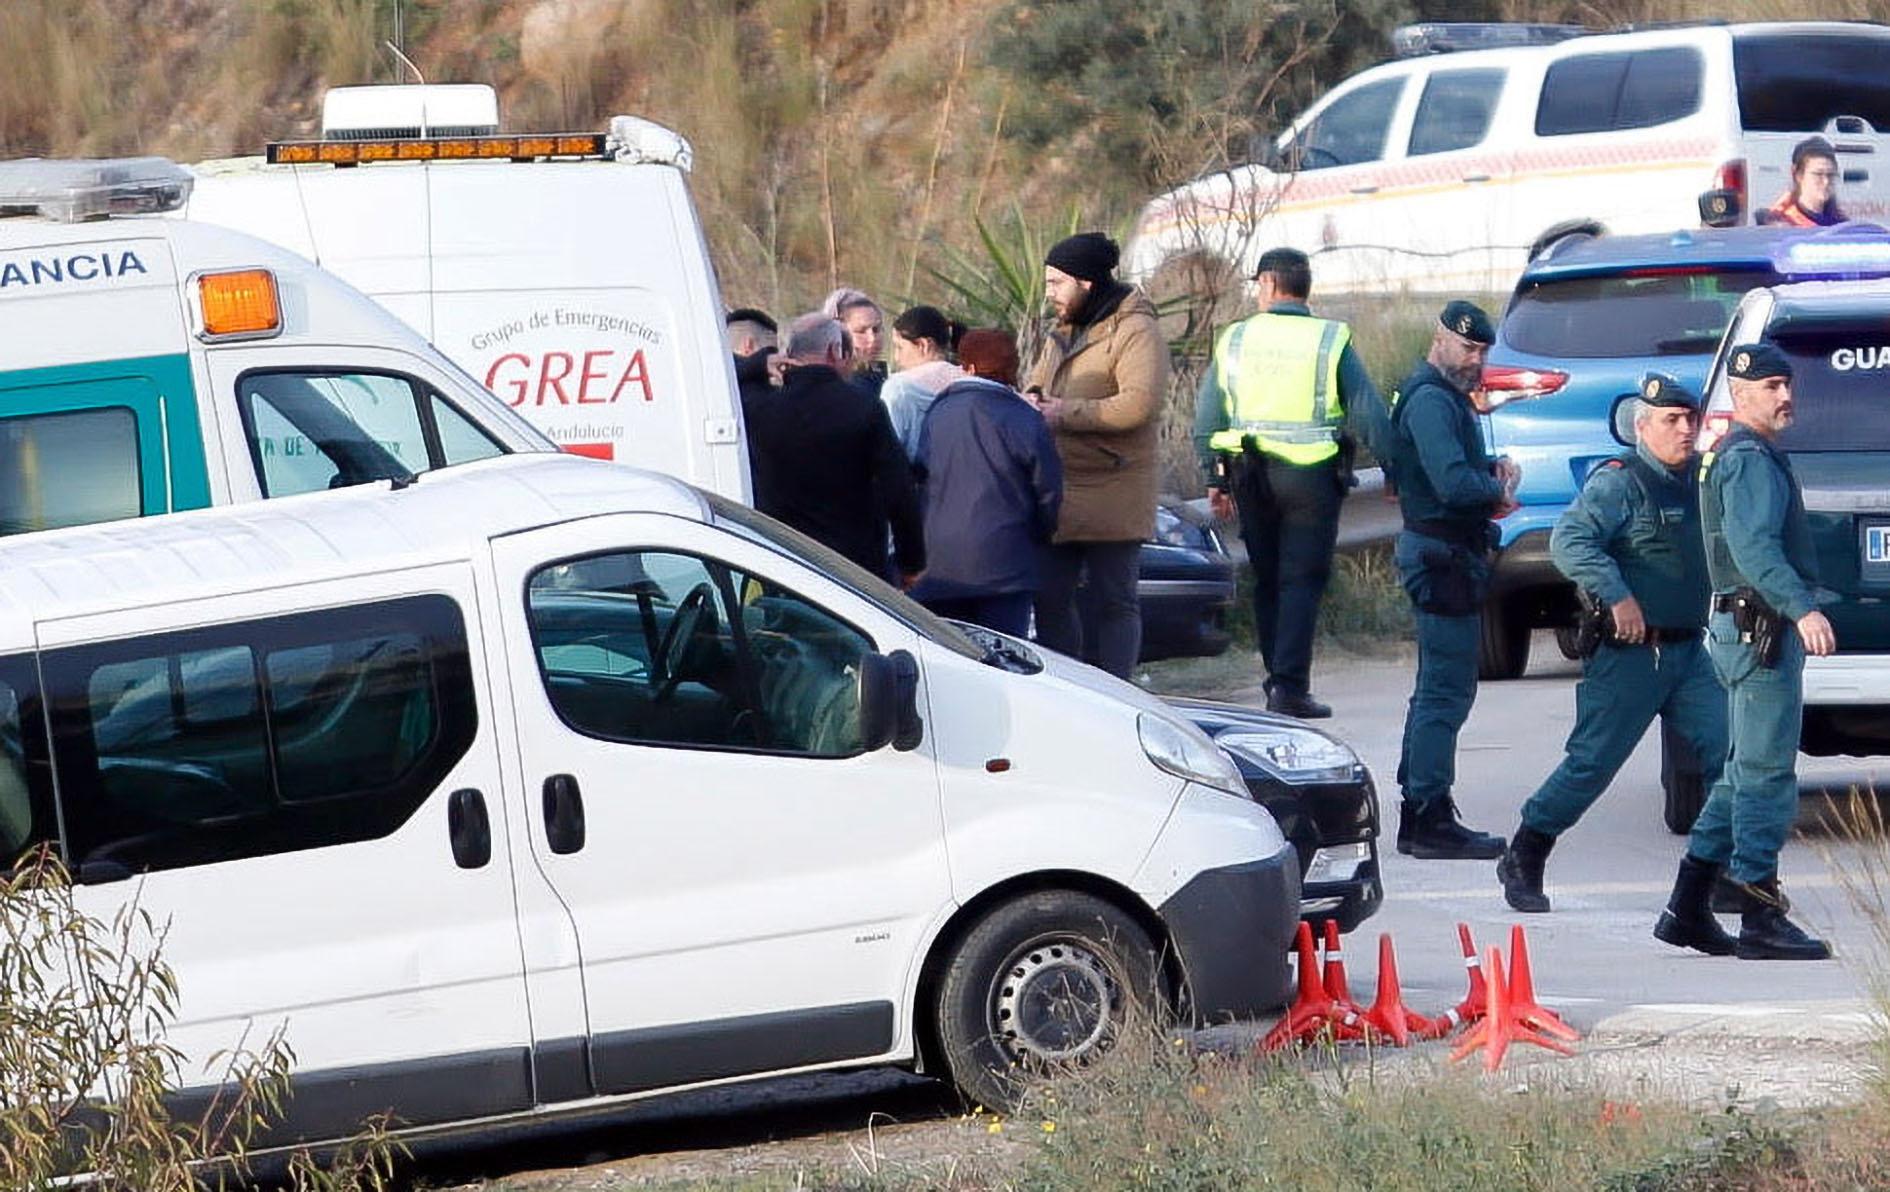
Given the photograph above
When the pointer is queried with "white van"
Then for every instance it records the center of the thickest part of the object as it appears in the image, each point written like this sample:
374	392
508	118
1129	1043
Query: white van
568	273
543	782
149	365
1439	170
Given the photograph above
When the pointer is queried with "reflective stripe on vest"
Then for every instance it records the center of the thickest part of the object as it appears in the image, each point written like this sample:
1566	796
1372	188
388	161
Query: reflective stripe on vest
1280	375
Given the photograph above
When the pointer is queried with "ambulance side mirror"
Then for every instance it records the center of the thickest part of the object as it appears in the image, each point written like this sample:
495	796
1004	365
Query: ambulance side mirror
1621	420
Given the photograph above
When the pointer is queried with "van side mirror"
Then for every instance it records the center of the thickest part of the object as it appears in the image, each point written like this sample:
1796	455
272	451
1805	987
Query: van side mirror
889	702
1721	209
1621	420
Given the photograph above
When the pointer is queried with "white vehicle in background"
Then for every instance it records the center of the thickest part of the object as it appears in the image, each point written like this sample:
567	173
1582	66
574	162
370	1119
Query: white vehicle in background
1439	170
541	783
567	272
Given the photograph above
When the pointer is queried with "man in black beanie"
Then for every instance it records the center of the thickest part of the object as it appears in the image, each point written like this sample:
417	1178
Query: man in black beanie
1099	381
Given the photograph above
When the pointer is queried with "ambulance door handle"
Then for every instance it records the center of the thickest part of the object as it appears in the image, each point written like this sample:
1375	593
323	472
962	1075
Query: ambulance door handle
564	814
1364	190
469	828
1476	177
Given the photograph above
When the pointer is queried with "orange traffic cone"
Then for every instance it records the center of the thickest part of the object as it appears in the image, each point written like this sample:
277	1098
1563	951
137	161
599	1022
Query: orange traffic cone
1475	1003
1522	992
1312	1011
1389	1017
1348	1017
1500	1026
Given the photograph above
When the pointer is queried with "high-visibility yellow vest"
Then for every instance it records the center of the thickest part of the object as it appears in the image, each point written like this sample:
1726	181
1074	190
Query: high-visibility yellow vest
1280	375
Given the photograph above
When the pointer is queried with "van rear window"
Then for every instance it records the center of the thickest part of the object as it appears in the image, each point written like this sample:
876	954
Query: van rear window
1638	313
1840	390
1605	92
1798	82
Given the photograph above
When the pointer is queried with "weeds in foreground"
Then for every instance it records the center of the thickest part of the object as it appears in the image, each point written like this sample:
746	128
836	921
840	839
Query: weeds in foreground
88	1080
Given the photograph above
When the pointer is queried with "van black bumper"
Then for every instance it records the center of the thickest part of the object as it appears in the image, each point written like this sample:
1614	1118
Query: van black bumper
1231	929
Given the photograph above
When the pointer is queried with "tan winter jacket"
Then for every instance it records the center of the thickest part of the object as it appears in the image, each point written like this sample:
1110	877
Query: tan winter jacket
1112	376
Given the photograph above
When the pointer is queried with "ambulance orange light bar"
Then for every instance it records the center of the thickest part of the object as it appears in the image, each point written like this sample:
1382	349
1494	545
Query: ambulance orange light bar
348	153
240	304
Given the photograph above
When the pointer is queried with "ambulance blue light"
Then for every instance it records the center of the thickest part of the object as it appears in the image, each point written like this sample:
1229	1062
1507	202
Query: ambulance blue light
74	190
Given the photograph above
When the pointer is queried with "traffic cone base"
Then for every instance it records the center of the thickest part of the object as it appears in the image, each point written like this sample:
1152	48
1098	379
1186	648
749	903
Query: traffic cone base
1522	992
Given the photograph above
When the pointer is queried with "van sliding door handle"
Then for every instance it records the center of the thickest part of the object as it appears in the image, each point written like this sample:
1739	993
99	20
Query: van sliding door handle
1364	190
468	827
1476	177
564	814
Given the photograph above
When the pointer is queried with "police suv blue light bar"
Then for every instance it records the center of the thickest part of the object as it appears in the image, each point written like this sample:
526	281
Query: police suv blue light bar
1859	248
74	190
1444	37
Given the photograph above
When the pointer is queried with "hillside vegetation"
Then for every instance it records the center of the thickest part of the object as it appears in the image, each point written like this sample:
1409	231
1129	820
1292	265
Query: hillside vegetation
836	140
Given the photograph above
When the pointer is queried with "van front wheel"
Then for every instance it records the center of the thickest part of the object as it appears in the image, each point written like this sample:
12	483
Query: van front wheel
1040	984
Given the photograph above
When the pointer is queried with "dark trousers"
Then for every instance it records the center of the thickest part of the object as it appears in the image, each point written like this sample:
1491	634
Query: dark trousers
1107	630
1006	612
1289	519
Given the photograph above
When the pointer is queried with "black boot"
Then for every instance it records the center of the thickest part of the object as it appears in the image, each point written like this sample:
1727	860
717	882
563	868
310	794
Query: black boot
1298	705
1766	934
1688	922
1432	832
1729	896
1520	870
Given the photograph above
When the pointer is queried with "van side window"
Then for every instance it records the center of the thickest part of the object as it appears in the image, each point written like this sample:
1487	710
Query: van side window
1605	92
1455	110
1351	130
70	468
318	430
659	648
26	806
258	737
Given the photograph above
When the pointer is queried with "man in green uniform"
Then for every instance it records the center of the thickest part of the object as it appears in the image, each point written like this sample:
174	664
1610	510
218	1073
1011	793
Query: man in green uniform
1764	621
1631	543
1268	426
1448	489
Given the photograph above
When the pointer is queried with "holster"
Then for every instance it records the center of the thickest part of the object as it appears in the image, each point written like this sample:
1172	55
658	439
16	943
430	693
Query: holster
1594	624
1347	460
1759	624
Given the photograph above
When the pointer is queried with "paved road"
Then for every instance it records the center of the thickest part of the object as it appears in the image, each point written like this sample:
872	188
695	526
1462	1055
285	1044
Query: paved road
1608	877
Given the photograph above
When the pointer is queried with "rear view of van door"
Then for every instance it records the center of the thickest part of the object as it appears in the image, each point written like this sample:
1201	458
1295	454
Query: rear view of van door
1797	81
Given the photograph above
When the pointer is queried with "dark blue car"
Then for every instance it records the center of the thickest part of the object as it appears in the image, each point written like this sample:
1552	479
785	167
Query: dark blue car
1590	315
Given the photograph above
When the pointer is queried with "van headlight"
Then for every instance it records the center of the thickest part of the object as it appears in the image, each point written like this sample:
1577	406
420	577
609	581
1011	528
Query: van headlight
1184	751
1290	754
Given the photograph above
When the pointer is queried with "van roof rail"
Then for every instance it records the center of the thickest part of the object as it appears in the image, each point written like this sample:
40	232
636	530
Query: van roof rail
1655	26
1445	37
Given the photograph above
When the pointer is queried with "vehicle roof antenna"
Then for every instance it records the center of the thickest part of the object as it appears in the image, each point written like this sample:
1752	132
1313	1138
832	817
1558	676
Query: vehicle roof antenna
406	61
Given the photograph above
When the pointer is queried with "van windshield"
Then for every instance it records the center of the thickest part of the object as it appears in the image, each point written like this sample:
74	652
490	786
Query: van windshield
1797	82
1840	389
1653	312
844	571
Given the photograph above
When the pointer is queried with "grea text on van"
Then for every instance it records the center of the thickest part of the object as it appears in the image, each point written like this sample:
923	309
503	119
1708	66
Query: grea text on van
79	266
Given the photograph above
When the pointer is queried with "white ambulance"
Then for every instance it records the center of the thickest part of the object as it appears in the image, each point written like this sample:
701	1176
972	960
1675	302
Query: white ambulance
567	273
149	365
541	783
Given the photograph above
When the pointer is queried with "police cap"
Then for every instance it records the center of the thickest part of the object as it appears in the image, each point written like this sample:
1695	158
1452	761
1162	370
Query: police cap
1282	260
1757	362
1468	320
1659	389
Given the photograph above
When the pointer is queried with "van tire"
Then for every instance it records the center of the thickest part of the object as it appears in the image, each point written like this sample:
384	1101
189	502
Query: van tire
997	981
1502	642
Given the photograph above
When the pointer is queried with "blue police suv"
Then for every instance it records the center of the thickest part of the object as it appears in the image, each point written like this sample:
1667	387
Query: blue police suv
1589	316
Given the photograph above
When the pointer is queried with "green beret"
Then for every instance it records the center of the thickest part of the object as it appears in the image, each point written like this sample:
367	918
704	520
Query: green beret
1757	362
1468	320
1659	389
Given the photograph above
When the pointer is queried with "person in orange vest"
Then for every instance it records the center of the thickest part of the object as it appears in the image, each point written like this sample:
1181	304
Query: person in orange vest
1812	200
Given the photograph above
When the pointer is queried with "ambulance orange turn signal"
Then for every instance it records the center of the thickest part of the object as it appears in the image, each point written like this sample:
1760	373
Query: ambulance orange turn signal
241	304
